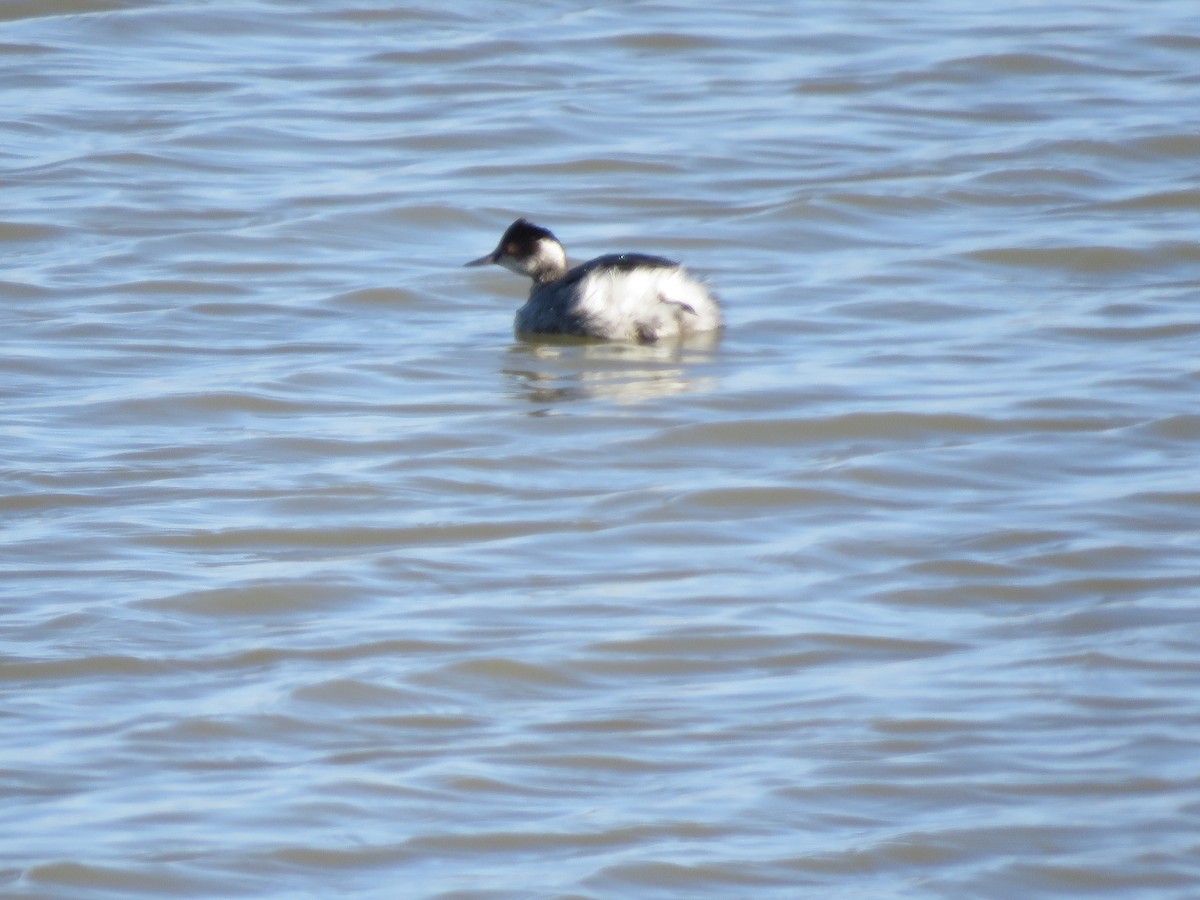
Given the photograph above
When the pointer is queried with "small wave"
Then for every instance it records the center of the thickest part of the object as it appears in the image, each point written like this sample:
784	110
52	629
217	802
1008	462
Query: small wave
1186	199
499	671
1135	333
1082	260
18	232
68	875
81	667
15	10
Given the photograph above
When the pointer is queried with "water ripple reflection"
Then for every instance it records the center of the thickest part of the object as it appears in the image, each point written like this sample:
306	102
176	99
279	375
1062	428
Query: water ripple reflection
316	580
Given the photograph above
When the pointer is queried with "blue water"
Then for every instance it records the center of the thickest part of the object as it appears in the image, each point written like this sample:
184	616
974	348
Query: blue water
316	579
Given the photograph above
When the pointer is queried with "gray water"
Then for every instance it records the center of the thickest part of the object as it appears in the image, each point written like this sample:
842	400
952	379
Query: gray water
317	581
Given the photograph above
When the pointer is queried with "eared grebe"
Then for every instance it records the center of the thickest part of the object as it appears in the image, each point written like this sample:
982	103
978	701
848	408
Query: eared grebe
618	297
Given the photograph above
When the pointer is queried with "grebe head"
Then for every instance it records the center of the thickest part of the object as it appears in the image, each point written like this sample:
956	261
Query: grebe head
528	249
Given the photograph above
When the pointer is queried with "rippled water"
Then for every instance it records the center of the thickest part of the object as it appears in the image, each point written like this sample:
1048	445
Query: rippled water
317	581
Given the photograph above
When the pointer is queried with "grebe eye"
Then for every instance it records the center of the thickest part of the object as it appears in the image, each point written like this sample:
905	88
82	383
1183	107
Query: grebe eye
511	249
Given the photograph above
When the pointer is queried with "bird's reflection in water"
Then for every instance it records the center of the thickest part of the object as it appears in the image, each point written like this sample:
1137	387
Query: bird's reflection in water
562	369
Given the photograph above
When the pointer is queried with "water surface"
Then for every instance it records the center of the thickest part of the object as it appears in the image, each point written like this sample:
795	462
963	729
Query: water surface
318	580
